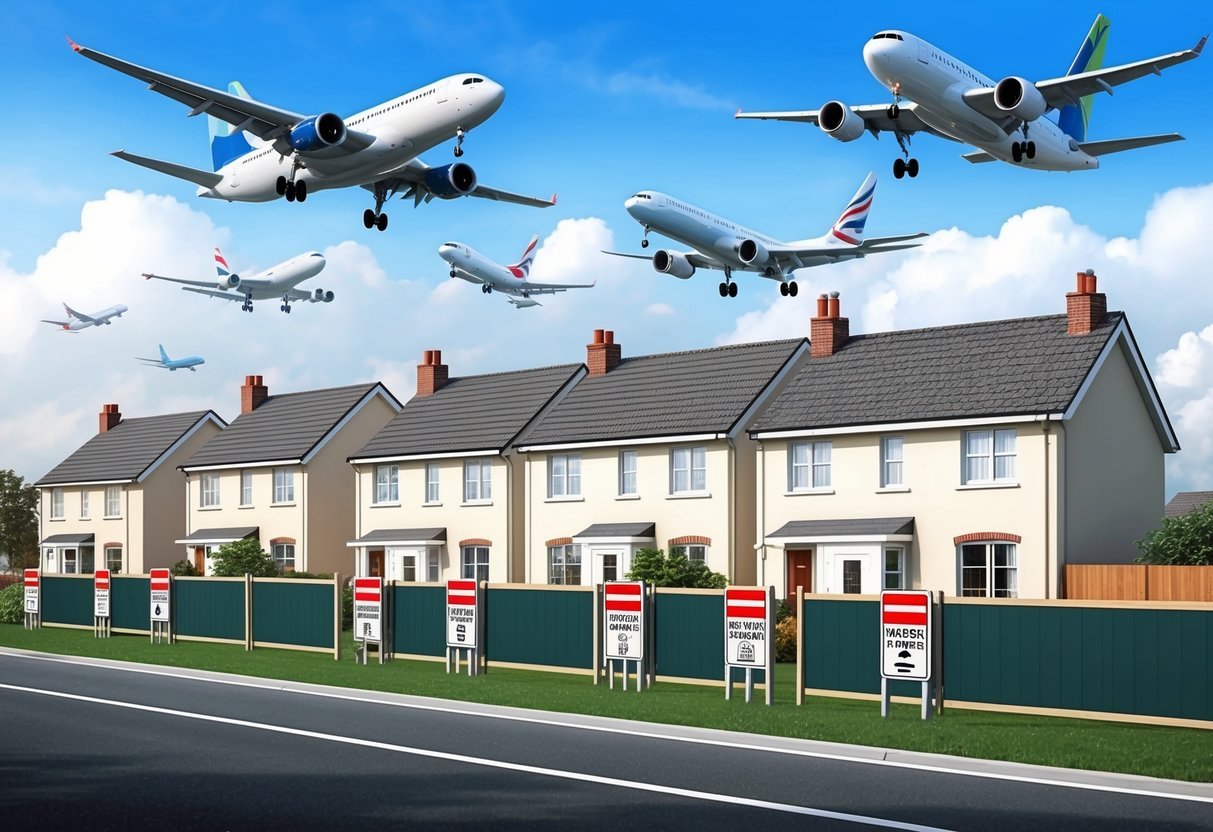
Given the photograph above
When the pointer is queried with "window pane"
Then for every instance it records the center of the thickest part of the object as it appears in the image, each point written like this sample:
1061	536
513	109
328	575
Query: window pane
821	453
851	571
1004	441
1004	468
800	453
977	442
486	485
977	469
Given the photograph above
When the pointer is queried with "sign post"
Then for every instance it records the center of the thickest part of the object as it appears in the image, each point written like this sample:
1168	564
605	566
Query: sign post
161	591
623	629
749	637
101	603
368	616
33	586
906	640
463	622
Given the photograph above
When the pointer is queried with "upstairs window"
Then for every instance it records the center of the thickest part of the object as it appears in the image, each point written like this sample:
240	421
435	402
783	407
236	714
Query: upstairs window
989	456
891	458
809	465
627	473
56	503
113	501
432	494
208	496
284	485
477	481
564	475
387	484
246	488
688	470
84	504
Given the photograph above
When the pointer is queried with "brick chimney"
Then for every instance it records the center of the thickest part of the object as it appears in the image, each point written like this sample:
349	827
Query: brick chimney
604	354
827	331
108	418
432	374
252	394
1085	308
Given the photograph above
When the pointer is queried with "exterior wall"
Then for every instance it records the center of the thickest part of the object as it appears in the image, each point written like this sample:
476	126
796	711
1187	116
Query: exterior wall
274	520
159	503
104	529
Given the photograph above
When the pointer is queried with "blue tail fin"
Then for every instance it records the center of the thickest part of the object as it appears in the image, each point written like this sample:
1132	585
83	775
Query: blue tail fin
226	143
1075	118
163	355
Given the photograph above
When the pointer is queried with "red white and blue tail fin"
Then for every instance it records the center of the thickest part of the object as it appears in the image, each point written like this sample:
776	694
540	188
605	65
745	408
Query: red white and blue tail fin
221	265
522	268
849	227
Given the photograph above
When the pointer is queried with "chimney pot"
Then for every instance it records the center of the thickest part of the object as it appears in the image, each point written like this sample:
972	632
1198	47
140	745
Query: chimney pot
1086	308
834	305
604	354
252	394
108	418
437	357
599	336
427	357
608	336
432	374
828	332
823	305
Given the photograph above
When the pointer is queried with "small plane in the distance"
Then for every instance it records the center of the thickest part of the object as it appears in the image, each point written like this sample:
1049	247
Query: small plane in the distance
77	321
474	267
275	283
190	362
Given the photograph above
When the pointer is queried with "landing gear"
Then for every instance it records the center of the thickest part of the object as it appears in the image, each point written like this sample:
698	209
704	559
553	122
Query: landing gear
247	306
376	218
287	186
286	304
789	289
280	186
452	274
907	165
644	241
1022	150
893	112
728	289
487	289
459	136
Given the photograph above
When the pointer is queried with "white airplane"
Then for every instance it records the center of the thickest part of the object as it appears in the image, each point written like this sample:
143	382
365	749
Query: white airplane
77	321
952	100
261	152
474	267
277	282
722	244
190	362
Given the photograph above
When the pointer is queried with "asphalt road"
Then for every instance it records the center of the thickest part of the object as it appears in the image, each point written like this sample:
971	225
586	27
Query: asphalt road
92	745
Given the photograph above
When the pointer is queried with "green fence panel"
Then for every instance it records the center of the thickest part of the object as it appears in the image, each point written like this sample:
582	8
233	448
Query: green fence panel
130	600
842	648
689	635
1148	662
66	600
293	612
419	620
210	609
541	627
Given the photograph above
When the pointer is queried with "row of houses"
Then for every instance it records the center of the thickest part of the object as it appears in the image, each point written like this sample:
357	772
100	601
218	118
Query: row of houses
979	459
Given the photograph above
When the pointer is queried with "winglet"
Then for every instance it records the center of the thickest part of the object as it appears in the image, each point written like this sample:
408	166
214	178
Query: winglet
148	275
553	198
738	113
1200	46
75	46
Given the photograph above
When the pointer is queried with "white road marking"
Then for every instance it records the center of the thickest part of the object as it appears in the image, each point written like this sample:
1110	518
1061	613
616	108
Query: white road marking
497	764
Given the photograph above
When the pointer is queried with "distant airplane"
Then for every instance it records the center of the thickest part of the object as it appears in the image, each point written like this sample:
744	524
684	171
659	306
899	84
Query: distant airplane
277	282
722	244
474	267
261	152
77	321
190	362
954	101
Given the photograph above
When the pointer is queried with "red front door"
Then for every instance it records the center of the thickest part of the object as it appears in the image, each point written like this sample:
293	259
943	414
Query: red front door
800	570
374	563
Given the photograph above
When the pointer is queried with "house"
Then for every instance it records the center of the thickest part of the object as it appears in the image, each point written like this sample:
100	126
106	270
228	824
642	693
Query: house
976	459
439	489
118	501
649	452
1186	502
278	474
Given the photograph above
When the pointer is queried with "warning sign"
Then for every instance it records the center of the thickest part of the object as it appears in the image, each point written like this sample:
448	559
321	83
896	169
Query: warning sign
31	591
623	620
368	609
161	581
461	613
905	634
745	627
101	593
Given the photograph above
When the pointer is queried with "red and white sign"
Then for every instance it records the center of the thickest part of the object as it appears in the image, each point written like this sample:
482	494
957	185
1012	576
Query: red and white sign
32	585
623	620
368	609
101	593
462	613
161	583
905	634
746	623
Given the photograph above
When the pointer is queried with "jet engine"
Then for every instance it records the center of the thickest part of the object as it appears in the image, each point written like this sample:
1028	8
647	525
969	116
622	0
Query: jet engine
232	281
450	181
839	121
1020	98
318	132
671	262
322	296
752	251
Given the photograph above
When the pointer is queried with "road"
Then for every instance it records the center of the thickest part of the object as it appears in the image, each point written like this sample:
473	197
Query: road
102	745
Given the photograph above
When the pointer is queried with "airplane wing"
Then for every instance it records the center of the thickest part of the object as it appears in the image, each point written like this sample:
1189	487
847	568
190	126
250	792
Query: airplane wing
210	284
410	181
696	259
1103	148
875	118
56	323
791	257
215	293
88	319
528	288
154	361
874	242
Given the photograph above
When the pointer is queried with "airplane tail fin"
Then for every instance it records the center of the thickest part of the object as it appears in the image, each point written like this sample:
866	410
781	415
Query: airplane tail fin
163	355
1075	118
849	227
221	265
71	313
226	143
522	268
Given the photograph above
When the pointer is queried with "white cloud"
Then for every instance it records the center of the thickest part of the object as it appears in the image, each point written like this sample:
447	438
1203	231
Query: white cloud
663	88
659	309
1190	363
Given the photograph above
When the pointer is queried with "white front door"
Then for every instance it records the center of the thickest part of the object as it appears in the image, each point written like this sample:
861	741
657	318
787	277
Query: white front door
853	572
608	565
403	564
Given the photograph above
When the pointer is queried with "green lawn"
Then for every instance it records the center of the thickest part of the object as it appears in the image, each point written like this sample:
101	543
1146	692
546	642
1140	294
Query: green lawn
1178	753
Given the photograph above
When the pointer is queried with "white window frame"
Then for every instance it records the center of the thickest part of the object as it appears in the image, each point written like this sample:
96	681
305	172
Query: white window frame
246	488
892	461
111	563
208	490
695	552
84	504
284	486
990	458
432	565
477	481
70	565
477	567
899	570
682	462
433	494
564	476
387	485
282	553
989	552
56	503
815	471
113	501
561	560
629	462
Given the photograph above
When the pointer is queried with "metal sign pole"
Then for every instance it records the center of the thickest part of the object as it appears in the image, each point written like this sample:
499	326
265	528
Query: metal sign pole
749	684
884	698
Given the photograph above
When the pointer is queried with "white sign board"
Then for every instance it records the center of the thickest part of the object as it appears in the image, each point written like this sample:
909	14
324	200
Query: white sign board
905	634
368	609
101	593
745	627
31	591
161	581
461	613
623	620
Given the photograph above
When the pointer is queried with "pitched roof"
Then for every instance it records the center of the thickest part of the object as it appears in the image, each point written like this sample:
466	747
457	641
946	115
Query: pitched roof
469	413
618	530
1186	502
669	394
1022	366
283	427
78	538
435	534
223	534
861	527
127	450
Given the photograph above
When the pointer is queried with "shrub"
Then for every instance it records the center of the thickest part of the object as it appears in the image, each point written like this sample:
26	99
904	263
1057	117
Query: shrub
244	557
183	569
785	640
1184	540
655	567
12	604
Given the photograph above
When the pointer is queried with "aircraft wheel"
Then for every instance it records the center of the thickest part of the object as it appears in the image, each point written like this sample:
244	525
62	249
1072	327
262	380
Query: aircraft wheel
288	310
488	290
644	243
1017	151
458	151
290	191
452	274
899	168
280	185
381	223
792	290
732	290
912	168
724	290
783	289
368	218
300	191
1031	150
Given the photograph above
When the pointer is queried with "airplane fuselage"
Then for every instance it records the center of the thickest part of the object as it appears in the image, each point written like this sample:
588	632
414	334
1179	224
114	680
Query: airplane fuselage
465	260
272	283
104	317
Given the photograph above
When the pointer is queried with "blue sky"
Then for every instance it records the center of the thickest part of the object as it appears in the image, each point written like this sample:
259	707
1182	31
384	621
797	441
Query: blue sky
600	102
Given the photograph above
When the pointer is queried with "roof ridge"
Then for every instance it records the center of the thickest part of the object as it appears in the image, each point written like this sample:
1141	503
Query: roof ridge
974	325
717	348
570	365
366	385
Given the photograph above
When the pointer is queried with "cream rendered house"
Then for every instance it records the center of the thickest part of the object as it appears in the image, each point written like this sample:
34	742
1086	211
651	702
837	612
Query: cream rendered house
278	473
439	489
976	459
649	452
118	502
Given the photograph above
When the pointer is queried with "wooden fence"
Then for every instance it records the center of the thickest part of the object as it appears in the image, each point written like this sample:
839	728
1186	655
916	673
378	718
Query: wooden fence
1138	582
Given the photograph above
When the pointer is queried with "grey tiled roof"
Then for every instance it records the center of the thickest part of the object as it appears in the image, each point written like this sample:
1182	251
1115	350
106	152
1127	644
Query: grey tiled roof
846	528
618	530
69	538
126	450
282	427
227	533
1186	502
469	413
1022	366
670	394
392	535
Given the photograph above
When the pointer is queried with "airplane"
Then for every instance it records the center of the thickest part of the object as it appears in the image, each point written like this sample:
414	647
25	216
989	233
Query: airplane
190	362
722	244
77	321
276	282
474	267
261	152
950	99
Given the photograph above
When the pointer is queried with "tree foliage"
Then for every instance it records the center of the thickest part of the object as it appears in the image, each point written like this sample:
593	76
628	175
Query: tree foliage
1186	540
655	567
243	557
12	604
18	521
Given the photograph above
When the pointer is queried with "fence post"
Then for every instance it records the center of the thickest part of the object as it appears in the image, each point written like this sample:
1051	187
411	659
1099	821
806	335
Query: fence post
800	645
937	652
248	611
596	662
337	617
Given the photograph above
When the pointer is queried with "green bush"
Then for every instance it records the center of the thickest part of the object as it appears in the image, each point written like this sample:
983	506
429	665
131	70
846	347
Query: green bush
244	557
785	640
656	568
1185	540
183	569
12	604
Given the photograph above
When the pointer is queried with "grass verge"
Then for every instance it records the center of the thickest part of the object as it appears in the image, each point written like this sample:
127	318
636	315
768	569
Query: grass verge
1175	753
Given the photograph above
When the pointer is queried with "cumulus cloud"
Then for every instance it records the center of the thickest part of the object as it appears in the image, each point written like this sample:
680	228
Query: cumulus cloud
659	309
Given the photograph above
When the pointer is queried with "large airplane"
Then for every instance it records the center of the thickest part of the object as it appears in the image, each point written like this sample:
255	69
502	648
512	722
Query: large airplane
1005	120
261	152
474	267
77	321
190	362
275	283
722	244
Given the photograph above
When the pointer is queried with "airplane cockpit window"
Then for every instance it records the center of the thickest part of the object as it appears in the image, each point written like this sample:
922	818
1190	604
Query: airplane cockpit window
315	254
891	35
452	245
641	196
467	81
